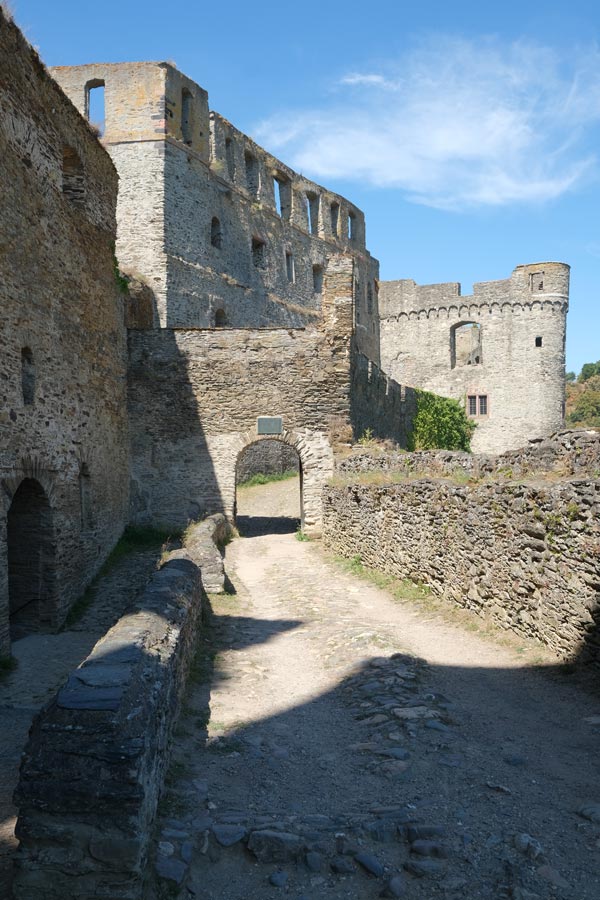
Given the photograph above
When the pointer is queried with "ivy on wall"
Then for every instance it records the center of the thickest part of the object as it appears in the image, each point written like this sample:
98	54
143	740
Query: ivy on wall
440	423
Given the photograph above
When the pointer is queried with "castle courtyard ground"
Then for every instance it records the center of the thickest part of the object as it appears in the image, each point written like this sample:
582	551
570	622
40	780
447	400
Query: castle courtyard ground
338	743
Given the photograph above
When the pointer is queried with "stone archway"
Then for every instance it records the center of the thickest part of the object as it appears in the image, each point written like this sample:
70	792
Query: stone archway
316	466
277	508
31	560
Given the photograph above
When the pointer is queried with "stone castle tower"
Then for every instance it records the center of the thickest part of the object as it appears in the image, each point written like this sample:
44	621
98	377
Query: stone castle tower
500	350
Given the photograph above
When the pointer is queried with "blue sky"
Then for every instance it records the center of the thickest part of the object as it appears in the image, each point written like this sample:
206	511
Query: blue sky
469	133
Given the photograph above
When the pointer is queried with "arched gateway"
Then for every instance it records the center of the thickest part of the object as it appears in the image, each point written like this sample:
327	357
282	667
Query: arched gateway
316	466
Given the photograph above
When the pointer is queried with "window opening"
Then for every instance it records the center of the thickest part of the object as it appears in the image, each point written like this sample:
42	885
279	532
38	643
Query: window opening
317	272
335	218
538	342
472	405
258	253
220	318
536	281
27	376
351	226
370	298
229	157
252	180
216	235
73	177
95	107
85	498
289	266
466	344
483	405
312	212
283	196
186	116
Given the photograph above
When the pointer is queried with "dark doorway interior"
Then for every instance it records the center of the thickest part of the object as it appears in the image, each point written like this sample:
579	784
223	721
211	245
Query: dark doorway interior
31	561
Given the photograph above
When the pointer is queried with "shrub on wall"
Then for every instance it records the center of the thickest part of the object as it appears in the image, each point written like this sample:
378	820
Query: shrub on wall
440	423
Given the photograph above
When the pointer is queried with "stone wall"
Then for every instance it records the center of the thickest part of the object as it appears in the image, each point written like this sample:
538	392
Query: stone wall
517	361
379	404
63	428
266	458
524	551
197	195
97	755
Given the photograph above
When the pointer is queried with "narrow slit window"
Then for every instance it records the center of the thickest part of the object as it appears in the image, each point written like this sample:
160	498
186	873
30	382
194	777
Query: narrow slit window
73	177
351	226
538	342
317	273
252	179
289	266
230	158
216	234
186	116
335	218
282	189
312	212
85	498
27	376
258	253
370	298
95	107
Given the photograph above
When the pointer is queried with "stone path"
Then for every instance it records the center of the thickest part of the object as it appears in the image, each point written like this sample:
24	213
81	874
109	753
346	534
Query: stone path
336	743
44	661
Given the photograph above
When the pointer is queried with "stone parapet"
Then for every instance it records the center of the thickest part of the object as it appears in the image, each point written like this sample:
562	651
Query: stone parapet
97	755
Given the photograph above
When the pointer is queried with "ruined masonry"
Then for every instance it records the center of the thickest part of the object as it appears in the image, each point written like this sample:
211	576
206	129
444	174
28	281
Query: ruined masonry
250	298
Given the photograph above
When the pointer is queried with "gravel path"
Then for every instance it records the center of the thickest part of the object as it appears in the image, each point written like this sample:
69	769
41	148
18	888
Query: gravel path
357	745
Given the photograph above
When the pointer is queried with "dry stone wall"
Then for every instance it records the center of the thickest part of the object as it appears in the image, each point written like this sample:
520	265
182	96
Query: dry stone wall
63	427
97	755
524	552
517	363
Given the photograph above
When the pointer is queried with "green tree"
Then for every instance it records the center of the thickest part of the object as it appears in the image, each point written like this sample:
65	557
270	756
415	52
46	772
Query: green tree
570	377
588	370
440	423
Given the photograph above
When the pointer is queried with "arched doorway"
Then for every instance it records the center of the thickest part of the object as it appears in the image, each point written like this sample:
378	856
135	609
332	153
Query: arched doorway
31	561
268	482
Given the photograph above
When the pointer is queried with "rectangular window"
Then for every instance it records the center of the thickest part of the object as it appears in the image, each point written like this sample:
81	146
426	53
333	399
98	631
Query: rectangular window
351	226
312	212
538	342
282	189
252	173
289	266
483	405
472	406
258	253
335	218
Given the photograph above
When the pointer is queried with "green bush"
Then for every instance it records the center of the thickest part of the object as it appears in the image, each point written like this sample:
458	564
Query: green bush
440	423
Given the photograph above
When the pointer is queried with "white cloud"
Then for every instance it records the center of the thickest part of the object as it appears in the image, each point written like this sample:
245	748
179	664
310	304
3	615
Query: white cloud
455	124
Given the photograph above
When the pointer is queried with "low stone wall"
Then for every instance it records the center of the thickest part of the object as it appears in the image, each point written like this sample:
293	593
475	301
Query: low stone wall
203	544
525	554
97	754
565	453
266	458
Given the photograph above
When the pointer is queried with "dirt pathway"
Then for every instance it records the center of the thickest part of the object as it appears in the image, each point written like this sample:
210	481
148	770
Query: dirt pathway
356	745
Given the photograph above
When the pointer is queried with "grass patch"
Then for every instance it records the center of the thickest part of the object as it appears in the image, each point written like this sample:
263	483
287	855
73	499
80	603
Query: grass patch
400	589
133	540
260	478
301	535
